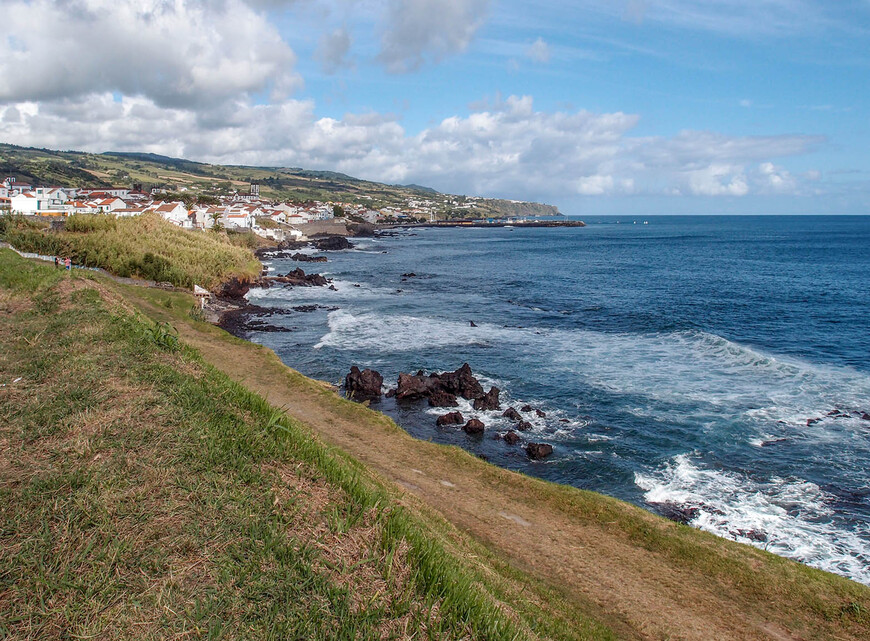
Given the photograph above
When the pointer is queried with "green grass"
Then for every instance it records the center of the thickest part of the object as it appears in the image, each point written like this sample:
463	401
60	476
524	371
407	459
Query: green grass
809	599
146	246
145	495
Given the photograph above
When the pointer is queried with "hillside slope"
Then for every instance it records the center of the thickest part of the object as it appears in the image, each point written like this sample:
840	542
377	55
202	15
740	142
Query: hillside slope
638	574
144	495
78	169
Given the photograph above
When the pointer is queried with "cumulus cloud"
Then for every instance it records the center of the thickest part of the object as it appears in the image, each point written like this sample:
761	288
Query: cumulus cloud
504	148
178	53
539	51
417	31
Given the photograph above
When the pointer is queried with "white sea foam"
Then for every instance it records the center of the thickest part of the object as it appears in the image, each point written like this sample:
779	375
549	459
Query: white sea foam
714	377
401	333
794	516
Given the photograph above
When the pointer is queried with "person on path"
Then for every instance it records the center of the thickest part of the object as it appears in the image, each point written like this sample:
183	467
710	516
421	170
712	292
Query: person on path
68	263
56	262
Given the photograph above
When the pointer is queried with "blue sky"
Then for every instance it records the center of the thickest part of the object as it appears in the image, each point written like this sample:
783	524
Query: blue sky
635	107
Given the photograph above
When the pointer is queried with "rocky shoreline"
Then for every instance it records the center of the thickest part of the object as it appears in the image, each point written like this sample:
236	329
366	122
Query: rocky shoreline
231	311
442	390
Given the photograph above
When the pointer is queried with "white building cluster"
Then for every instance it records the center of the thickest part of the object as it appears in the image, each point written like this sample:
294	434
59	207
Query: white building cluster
248	212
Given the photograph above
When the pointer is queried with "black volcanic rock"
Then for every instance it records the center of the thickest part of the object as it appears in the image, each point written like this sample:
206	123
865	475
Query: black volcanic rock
473	426
538	451
363	385
462	383
488	401
233	289
299	278
442	398
678	513
512	414
511	438
332	243
452	418
305	258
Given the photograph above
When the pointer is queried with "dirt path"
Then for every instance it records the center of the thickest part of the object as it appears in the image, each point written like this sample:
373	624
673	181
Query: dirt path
639	593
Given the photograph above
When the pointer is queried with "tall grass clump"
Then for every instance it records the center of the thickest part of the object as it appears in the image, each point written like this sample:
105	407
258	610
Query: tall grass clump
145	246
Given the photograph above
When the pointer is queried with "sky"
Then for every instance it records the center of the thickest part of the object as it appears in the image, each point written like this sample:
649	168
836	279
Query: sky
597	106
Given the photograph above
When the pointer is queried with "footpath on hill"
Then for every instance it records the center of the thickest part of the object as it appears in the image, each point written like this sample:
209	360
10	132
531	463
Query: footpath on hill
640	575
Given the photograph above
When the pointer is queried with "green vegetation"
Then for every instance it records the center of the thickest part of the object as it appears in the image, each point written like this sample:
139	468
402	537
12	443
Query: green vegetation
203	181
145	495
146	246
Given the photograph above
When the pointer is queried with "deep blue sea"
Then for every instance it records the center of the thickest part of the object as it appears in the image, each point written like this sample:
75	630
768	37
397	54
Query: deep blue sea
717	364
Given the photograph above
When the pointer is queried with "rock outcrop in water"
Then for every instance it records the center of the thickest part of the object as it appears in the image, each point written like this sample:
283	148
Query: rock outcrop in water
441	398
363	385
538	451
512	414
452	418
299	278
489	401
474	426
332	243
511	438
441	388
305	258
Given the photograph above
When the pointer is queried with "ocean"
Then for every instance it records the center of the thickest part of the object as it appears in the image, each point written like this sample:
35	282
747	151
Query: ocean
713	367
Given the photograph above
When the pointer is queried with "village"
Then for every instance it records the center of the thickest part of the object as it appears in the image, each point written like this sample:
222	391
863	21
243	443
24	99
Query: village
234	212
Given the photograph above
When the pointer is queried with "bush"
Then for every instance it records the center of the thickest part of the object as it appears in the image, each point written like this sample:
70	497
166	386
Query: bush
145	246
86	223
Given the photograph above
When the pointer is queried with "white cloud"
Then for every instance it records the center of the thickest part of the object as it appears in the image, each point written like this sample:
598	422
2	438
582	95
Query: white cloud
539	51
717	180
504	148
419	31
176	52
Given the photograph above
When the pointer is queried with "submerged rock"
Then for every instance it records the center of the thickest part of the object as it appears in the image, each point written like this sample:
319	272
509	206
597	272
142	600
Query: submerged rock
363	385
524	426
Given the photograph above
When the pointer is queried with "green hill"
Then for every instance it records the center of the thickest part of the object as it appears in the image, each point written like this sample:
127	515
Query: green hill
78	169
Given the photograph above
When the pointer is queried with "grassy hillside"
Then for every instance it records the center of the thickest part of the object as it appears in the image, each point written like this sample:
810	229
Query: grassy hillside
146	246
77	169
144	495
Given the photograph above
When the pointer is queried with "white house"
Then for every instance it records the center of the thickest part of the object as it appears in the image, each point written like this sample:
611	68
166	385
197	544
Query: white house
80	207
238	218
130	210
108	205
175	213
44	201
